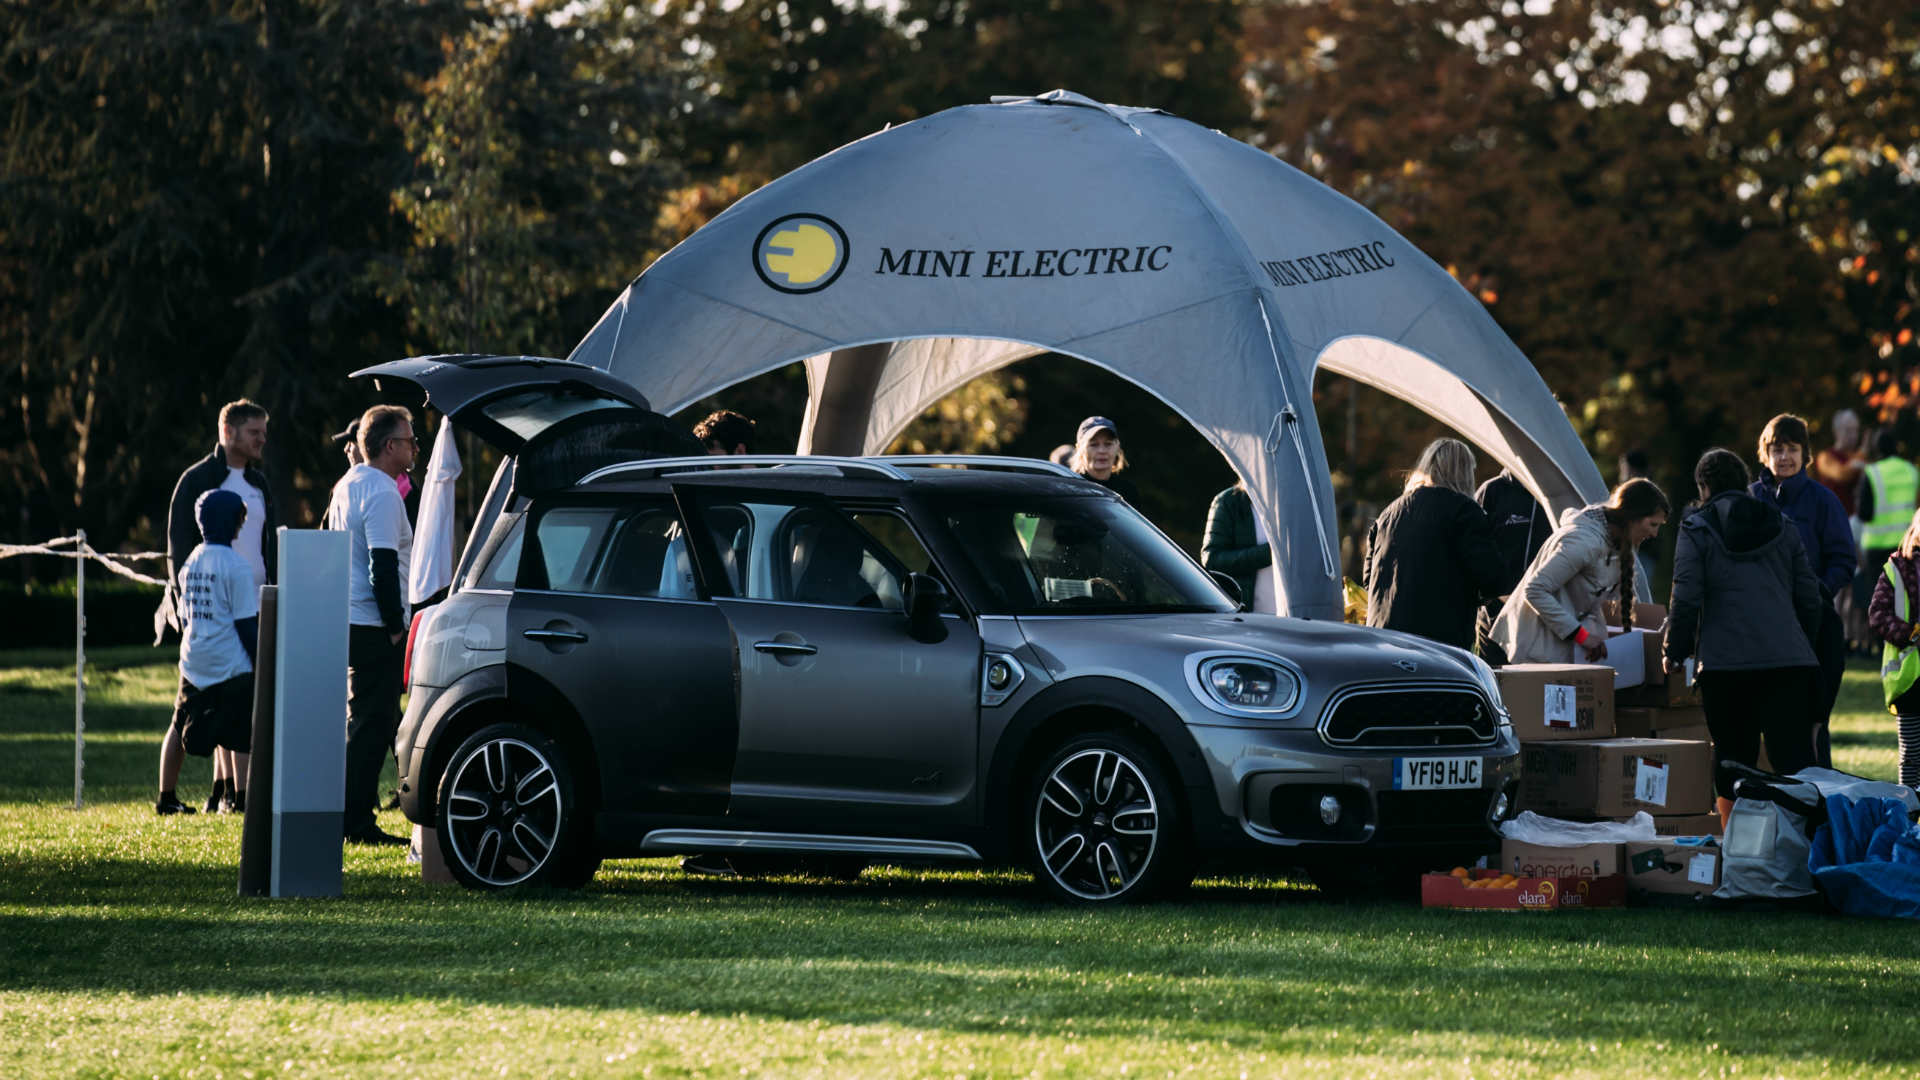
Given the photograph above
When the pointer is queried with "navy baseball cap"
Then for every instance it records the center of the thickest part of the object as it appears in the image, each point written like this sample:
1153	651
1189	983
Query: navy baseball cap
1094	423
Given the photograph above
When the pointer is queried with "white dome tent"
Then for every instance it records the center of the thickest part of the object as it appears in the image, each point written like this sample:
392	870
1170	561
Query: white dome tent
1209	273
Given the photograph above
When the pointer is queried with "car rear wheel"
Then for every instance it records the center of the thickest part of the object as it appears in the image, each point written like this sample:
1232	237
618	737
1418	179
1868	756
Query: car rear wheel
1103	825
506	813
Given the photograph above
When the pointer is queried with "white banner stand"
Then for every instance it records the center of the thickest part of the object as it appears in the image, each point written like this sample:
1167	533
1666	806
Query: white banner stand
310	713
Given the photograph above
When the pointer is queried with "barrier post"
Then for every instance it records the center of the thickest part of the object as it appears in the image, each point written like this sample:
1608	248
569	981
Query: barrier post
309	713
79	664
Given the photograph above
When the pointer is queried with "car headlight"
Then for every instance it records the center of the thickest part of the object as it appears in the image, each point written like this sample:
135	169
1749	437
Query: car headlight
1491	685
1248	686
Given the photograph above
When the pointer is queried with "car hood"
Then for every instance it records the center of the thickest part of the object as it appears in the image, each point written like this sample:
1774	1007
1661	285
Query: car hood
1328	653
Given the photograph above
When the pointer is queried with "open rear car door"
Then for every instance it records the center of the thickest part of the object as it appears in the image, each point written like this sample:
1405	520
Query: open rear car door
553	421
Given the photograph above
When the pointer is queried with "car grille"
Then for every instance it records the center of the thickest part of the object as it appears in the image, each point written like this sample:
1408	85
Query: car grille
1409	717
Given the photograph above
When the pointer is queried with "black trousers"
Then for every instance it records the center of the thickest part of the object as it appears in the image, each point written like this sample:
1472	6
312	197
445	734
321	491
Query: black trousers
1830	651
373	718
1743	707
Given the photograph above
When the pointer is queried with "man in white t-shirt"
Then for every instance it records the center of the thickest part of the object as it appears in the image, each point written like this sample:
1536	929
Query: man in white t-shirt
367	507
219	612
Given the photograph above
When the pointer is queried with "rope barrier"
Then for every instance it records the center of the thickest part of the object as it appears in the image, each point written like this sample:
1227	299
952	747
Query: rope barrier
64	547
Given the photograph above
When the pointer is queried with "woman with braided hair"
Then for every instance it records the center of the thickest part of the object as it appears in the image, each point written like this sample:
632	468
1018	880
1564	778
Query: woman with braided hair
1556	614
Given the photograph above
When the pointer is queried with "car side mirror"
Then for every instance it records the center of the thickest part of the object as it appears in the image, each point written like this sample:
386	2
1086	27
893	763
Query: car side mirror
1230	587
926	600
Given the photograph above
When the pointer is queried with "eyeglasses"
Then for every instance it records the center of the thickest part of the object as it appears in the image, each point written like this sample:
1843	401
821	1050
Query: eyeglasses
414	439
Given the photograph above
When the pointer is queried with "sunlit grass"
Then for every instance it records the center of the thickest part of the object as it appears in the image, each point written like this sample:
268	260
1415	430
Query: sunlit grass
124	951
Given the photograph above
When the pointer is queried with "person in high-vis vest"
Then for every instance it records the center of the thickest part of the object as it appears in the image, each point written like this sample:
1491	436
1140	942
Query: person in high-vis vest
1892	615
1889	494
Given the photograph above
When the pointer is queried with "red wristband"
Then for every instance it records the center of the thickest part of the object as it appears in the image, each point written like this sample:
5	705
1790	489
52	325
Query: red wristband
1580	636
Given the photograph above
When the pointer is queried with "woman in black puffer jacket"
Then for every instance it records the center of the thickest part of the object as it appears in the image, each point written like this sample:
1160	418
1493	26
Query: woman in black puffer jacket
1431	559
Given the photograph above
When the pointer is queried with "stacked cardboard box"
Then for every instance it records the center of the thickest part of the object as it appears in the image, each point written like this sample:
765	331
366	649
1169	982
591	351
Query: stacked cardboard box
1667	706
1558	701
1616	778
1673	867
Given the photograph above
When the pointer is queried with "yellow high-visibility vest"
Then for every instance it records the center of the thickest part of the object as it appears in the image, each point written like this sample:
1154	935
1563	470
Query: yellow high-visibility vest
1899	664
1894	484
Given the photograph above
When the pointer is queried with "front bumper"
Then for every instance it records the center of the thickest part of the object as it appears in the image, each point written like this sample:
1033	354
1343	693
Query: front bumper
1272	783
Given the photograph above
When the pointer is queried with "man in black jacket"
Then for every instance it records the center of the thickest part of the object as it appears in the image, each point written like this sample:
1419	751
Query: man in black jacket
235	466
1520	528
235	461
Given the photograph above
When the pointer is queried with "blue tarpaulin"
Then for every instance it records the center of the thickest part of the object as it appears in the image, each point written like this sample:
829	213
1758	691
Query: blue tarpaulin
1867	858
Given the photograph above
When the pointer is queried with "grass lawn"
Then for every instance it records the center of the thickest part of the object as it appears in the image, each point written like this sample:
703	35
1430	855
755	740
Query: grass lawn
124	951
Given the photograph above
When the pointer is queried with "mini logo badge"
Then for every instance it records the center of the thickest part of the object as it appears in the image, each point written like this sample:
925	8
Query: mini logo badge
1407	666
800	253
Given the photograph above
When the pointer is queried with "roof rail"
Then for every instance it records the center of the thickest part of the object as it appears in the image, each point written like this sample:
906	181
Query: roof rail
663	466
981	461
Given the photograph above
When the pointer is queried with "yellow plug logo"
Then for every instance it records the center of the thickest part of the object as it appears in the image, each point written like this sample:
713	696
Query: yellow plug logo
800	253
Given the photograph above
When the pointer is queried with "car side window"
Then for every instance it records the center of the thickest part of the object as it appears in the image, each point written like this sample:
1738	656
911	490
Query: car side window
900	541
501	568
638	549
803	554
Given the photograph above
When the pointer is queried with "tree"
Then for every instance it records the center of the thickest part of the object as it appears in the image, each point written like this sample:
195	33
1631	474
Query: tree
542	152
1637	189
189	193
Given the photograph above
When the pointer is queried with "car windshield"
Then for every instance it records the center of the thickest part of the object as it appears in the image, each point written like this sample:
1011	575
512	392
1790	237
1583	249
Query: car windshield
1041	555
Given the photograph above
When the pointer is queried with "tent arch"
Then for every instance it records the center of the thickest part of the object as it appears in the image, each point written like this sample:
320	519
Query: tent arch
1191	264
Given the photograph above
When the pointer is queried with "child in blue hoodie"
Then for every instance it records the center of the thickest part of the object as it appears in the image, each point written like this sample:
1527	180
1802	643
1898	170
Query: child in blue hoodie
220	626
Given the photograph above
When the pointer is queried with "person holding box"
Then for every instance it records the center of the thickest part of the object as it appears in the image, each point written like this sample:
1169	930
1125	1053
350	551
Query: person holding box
1556	614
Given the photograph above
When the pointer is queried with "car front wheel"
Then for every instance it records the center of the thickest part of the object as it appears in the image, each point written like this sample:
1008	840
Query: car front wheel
506	812
1103	825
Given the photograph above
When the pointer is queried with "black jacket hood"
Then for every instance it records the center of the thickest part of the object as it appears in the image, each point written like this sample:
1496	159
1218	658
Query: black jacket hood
1742	524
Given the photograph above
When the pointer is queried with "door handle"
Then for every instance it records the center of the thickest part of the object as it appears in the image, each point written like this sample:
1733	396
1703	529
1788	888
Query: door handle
553	635
785	648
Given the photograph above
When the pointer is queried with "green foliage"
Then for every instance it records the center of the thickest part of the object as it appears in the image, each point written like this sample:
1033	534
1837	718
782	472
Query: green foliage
189	193
541	152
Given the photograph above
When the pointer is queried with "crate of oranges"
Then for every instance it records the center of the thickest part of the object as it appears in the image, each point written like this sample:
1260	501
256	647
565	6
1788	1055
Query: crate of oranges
1492	890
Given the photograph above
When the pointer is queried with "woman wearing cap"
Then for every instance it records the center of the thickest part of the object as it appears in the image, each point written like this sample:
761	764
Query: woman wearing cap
1431	559
1097	457
1894	616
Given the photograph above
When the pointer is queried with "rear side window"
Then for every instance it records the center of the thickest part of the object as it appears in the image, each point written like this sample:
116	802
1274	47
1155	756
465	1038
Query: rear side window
635	549
504	564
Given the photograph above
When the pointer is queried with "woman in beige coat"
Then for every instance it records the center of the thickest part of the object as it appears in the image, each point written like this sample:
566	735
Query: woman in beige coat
1554	615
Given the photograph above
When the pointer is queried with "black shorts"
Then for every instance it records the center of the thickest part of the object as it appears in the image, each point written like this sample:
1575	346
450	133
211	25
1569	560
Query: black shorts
221	715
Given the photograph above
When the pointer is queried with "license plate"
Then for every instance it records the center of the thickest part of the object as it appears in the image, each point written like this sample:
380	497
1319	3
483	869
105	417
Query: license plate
1435	774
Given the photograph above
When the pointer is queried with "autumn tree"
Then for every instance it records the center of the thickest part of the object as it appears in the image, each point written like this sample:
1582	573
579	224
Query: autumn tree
1644	192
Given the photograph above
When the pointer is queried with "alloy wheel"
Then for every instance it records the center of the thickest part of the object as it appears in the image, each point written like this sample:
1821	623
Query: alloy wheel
1096	824
504	812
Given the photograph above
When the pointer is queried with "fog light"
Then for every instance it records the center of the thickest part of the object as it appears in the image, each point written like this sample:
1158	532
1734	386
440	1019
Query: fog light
998	675
1500	806
1329	809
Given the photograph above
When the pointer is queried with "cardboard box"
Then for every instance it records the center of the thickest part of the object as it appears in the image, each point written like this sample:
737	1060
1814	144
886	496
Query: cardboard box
1615	778
1526	894
1541	860
1687	824
1670	868
1558	701
1645	616
1633	655
1674	689
1641	722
